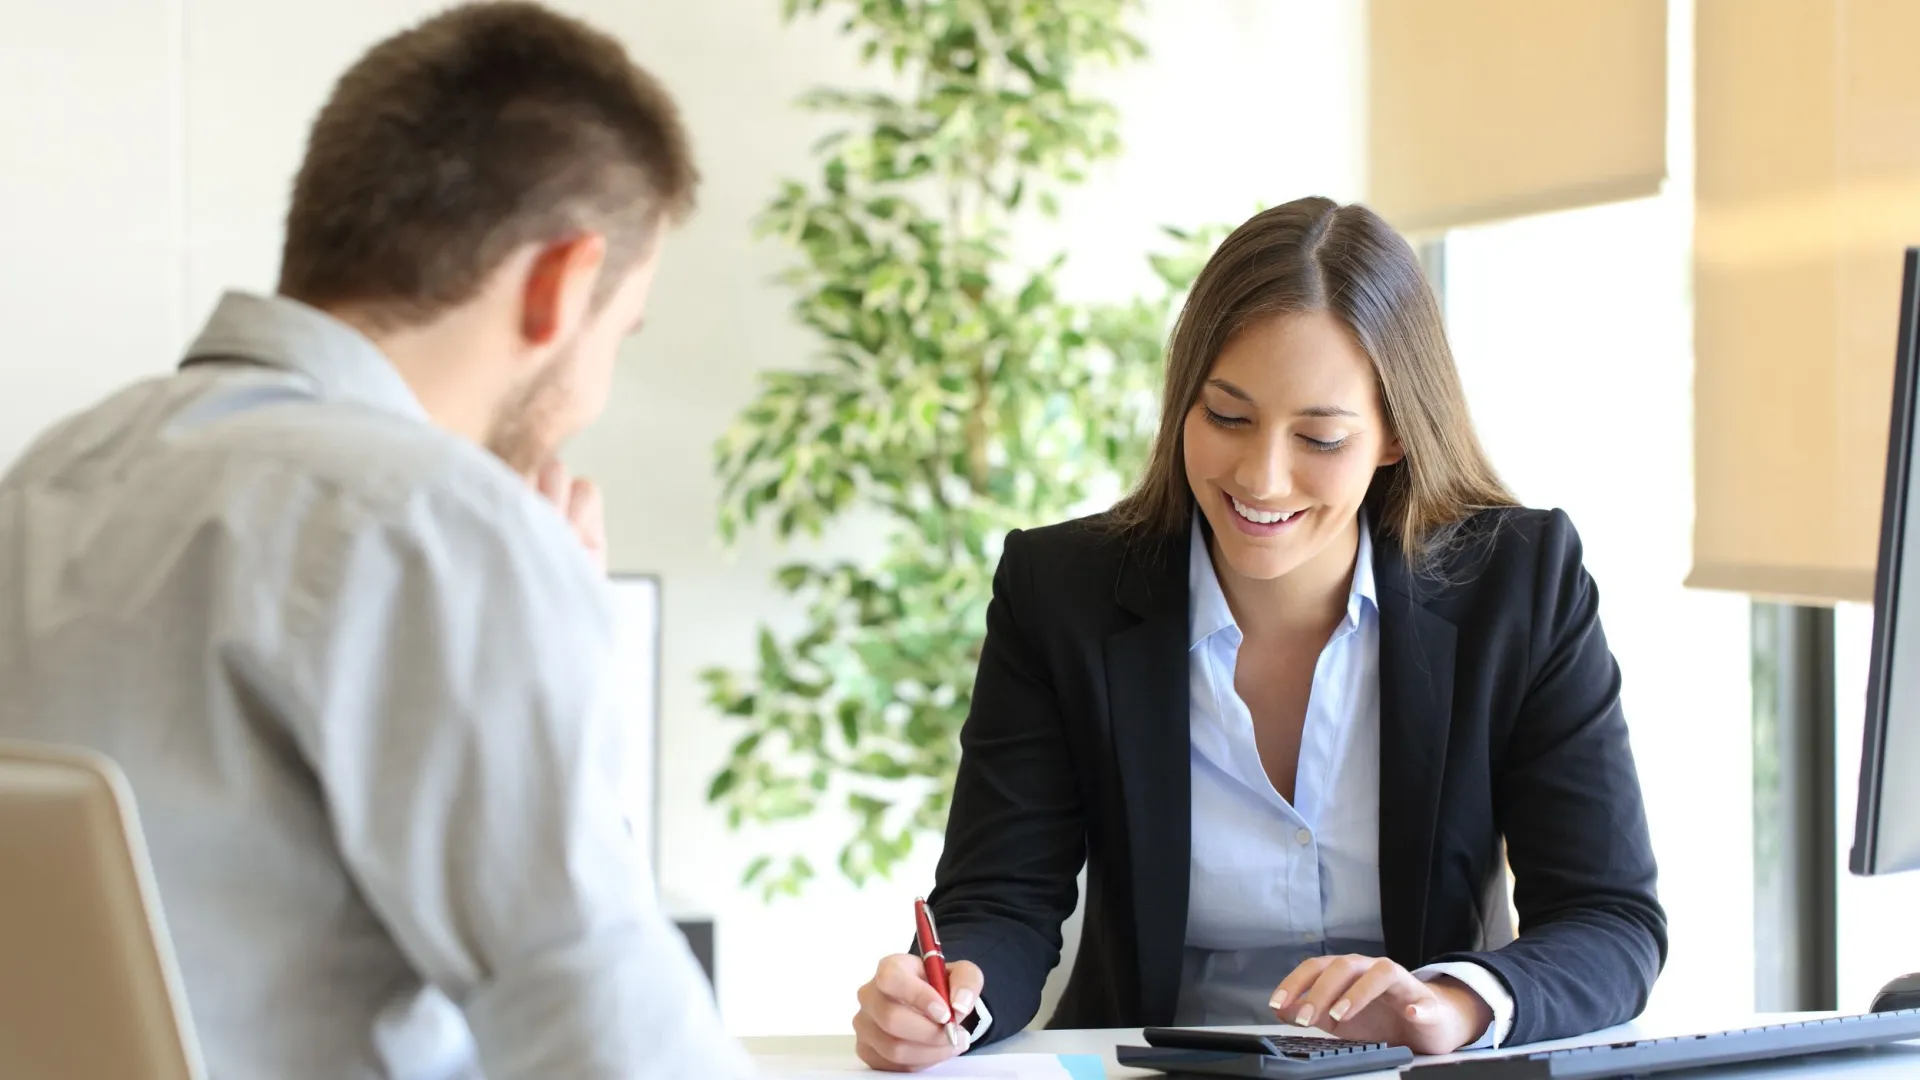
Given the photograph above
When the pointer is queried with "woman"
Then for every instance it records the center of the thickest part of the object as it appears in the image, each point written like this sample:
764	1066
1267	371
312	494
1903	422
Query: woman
1291	702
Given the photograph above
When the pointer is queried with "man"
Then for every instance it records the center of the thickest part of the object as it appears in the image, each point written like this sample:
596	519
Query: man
307	592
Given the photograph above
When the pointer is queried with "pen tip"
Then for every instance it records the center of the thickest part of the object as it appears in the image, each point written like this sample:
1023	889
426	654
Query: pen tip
953	1034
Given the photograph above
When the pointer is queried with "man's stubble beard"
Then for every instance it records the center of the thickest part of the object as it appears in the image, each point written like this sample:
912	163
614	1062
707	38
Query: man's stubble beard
524	432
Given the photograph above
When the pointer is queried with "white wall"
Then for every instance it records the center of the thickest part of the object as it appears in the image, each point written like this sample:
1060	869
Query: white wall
150	171
90	203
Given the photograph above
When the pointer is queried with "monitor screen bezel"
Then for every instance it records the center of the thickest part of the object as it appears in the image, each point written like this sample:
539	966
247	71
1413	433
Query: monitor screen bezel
1865	856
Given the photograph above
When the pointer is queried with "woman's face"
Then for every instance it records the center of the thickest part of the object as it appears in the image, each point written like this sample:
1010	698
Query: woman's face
1284	441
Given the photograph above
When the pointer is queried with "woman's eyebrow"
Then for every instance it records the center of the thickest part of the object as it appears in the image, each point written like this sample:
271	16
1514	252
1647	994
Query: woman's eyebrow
1231	390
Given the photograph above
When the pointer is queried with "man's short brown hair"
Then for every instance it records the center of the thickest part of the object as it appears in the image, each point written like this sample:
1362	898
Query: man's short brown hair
484	128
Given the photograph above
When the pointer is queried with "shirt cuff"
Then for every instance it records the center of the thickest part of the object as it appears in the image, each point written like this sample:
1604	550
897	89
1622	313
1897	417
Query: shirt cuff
1493	991
976	1023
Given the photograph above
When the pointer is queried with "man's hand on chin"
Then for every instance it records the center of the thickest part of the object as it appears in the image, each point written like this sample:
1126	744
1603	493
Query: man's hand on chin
578	500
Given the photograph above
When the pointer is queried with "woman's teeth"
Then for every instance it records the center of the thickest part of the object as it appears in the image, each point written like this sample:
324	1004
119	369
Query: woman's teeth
1261	517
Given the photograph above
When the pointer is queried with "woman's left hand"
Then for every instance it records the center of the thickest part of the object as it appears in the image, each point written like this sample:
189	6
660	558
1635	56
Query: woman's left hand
1376	1000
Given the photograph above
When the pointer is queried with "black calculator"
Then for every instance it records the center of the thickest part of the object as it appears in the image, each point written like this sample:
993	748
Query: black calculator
1193	1052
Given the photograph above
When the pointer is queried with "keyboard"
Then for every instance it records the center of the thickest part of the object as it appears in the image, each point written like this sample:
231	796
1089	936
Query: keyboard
1187	1052
1644	1056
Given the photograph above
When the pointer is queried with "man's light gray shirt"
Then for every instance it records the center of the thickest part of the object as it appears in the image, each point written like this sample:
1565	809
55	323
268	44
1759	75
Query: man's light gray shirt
353	667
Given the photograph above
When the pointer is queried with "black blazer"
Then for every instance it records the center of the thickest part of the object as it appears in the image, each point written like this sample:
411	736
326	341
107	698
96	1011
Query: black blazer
1499	718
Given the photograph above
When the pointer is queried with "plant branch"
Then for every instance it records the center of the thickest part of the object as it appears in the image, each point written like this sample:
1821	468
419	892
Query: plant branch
901	273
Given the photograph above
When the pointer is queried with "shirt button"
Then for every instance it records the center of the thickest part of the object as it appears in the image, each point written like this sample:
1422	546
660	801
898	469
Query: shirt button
1304	837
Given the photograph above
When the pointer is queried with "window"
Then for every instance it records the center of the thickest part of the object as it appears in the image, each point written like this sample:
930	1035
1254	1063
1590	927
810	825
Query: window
1573	336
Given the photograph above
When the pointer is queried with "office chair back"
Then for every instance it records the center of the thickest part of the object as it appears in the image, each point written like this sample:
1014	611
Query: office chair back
88	987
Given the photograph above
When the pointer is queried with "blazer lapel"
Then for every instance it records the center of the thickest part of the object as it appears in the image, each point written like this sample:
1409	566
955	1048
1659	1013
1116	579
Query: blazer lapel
1147	695
1416	713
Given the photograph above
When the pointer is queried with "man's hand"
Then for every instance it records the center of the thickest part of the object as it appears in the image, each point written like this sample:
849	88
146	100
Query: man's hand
1377	1000
578	500
901	1023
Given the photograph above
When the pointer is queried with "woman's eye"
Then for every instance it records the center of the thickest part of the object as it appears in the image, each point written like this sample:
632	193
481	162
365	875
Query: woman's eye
1219	420
1324	446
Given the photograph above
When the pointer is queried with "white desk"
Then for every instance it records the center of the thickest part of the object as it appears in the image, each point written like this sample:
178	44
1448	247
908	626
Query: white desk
1902	1060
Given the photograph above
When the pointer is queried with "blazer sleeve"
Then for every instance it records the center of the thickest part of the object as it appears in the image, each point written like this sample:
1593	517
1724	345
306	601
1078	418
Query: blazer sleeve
1015	835
1593	936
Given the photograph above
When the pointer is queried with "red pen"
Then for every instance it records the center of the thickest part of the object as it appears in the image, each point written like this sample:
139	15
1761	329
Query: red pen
935	962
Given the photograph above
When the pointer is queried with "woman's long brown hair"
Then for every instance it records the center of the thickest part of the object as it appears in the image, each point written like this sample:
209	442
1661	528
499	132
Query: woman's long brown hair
1316	255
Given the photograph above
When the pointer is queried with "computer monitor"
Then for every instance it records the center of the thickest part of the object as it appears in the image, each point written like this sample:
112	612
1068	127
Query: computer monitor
1886	835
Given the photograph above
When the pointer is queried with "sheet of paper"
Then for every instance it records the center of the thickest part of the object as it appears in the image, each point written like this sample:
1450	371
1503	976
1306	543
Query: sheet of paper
982	1067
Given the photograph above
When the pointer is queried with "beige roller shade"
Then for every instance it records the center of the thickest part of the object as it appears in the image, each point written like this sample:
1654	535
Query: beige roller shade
1808	128
1481	110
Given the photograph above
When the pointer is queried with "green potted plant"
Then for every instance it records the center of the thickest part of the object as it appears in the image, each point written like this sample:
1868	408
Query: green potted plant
955	395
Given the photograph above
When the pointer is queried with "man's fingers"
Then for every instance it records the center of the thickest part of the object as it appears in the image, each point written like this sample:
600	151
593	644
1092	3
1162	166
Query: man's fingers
903	978
584	505
555	484
587	512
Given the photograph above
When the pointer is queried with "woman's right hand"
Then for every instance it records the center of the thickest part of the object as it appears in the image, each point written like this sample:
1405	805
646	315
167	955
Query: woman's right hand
901	1023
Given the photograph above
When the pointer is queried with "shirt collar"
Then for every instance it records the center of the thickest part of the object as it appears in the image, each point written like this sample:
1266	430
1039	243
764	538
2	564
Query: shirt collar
278	332
1363	594
1207	610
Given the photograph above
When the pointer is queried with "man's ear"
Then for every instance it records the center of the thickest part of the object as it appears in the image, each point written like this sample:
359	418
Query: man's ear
559	288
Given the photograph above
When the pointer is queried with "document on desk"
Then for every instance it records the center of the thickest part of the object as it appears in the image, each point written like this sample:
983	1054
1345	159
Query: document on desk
983	1067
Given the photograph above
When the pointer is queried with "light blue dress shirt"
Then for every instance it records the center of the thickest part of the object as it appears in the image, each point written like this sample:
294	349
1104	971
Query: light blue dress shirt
356	670
1272	883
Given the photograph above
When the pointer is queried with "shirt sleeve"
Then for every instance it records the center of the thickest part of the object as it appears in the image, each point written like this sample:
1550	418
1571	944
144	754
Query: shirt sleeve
1491	989
448	661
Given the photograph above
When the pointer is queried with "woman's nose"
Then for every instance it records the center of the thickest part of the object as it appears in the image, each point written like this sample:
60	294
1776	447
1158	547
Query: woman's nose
1266	473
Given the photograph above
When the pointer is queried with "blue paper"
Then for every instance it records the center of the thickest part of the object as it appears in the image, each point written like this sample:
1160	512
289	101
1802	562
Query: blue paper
1084	1066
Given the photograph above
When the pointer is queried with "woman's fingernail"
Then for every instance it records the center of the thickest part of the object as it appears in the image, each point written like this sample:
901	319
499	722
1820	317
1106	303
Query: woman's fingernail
1417	1011
962	1003
1339	1010
1304	1017
1278	1001
937	1011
